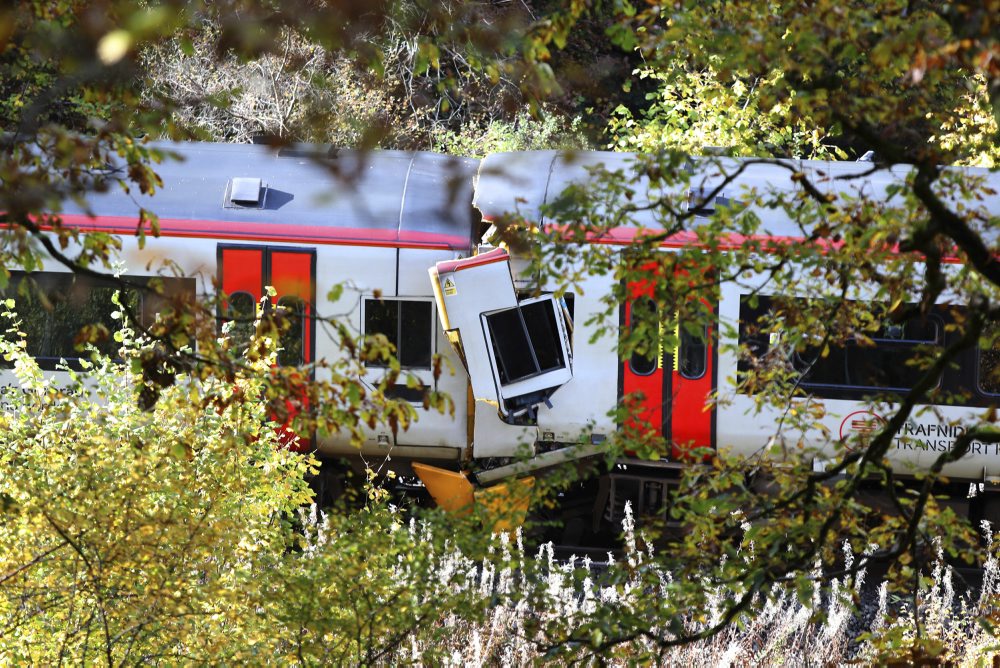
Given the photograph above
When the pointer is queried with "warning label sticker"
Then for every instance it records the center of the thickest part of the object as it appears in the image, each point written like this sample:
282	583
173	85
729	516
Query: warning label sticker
449	287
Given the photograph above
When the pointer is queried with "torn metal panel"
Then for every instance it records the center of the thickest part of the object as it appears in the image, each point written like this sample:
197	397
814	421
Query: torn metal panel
517	352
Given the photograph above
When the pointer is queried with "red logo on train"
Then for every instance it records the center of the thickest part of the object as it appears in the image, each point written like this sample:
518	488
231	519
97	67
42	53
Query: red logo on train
861	425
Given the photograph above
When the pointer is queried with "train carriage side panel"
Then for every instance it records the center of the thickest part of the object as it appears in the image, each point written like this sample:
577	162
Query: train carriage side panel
379	221
850	413
435	428
580	408
359	212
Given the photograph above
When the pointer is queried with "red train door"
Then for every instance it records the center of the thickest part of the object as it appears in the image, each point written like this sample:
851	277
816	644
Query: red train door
643	380
244	272
670	389
692	381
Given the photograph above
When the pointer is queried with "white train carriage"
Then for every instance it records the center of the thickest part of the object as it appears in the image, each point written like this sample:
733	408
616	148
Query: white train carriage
680	386
237	218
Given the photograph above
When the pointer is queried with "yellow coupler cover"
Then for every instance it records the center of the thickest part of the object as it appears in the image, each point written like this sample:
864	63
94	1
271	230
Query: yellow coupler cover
505	505
450	490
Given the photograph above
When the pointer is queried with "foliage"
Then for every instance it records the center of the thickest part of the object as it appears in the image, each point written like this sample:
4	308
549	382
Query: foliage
114	511
228	98
693	111
902	79
886	74
89	82
179	535
131	534
848	253
93	54
367	587
524	133
175	534
978	126
303	92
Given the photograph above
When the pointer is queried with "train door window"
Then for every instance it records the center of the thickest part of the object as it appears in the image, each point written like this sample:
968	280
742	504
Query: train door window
989	359
692	354
407	324
643	360
242	313
292	340
526	340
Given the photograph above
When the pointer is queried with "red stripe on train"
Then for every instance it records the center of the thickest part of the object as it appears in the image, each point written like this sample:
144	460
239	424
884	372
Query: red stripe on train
249	231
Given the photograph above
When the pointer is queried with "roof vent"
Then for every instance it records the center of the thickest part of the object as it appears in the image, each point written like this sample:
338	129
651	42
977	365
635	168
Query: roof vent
245	193
699	204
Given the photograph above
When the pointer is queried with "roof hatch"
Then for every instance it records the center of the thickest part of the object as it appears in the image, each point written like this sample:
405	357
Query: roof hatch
245	193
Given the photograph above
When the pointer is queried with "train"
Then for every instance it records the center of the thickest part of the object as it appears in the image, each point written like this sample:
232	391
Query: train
535	381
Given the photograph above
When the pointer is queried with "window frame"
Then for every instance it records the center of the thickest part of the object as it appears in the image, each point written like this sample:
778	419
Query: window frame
140	283
979	365
378	364
838	390
683	342
540	382
296	319
529	340
655	360
885	344
240	323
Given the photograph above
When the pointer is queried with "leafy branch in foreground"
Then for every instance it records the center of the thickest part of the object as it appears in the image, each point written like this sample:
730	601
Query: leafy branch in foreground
174	534
129	533
842	270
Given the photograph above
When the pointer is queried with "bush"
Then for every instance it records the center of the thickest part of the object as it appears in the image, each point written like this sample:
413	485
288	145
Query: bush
131	535
181	535
523	133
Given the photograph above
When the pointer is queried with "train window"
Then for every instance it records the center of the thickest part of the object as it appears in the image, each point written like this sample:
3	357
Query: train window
407	324
692	354
753	338
567	304
884	364
242	312
525	340
56	307
292	341
989	360
513	348
643	362
416	333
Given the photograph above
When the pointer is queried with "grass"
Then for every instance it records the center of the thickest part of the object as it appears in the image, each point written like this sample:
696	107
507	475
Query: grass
525	596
